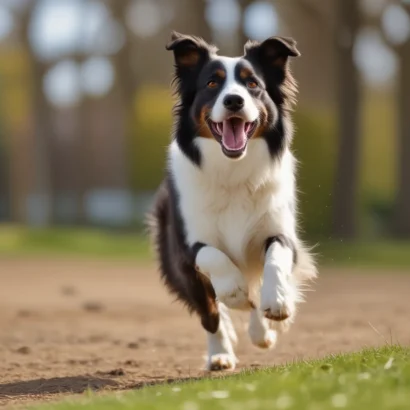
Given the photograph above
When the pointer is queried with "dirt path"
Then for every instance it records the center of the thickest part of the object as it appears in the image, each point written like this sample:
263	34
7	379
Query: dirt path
68	325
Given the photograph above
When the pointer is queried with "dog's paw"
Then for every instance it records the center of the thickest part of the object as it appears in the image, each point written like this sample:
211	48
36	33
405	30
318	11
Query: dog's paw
265	341
278	295
221	361
277	304
278	312
232	291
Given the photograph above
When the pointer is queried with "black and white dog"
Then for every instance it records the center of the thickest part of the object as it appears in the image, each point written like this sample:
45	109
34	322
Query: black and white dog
224	221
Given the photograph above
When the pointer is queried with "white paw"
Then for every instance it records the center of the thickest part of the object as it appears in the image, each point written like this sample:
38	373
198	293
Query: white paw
278	310
278	295
232	291
221	361
267	341
277	304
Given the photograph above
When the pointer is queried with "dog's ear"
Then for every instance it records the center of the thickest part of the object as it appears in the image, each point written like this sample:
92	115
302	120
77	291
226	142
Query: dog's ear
190	52
273	52
271	57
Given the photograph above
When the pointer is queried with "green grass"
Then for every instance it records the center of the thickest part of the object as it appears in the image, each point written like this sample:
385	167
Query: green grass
372	254
15	241
96	243
376	379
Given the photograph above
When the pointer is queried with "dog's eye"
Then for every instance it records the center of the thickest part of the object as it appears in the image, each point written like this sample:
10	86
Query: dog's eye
251	84
212	84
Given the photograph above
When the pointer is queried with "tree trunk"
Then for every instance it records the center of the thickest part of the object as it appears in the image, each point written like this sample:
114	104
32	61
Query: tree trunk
200	24
43	135
190	18
402	225
83	168
42	179
242	37
83	164
126	86
346	181
4	185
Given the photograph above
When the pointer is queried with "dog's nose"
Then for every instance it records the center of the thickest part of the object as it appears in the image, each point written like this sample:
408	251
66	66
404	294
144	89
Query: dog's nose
234	102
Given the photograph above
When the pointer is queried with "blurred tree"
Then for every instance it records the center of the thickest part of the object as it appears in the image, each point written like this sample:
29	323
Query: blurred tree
83	169
199	22
242	37
402	225
347	168
127	82
124	60
339	22
42	176
189	18
4	185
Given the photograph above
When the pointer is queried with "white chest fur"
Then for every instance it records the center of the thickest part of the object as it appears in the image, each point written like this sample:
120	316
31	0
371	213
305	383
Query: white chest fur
235	206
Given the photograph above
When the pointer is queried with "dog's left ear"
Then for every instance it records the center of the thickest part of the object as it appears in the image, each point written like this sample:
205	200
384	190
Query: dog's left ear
273	52
190	52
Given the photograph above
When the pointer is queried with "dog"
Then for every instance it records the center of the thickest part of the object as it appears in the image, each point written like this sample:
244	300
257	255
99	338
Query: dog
224	221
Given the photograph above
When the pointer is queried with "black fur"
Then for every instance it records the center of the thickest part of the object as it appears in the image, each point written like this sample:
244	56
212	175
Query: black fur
196	248
285	242
176	260
270	61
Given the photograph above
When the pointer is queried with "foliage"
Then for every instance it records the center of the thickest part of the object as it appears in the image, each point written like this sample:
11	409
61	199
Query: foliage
151	137
314	146
373	378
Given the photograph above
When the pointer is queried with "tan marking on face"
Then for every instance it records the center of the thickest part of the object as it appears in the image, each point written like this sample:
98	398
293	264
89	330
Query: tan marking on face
220	73
203	129
263	118
245	73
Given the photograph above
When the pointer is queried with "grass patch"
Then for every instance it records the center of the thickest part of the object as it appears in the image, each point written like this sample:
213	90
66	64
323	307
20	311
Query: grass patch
15	241
383	254
376	379
97	243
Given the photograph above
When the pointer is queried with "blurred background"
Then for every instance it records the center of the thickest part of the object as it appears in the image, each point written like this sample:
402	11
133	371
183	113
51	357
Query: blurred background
85	108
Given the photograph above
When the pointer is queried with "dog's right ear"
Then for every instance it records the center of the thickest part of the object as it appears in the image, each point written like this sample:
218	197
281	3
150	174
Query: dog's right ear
190	52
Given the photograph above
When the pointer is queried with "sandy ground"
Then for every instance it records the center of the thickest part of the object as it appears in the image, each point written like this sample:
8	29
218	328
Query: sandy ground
66	326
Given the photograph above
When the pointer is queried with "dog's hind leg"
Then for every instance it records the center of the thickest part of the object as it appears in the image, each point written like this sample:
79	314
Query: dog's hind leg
259	330
221	354
200	296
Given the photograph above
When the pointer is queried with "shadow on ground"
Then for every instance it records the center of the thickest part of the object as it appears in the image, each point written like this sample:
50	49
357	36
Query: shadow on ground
56	385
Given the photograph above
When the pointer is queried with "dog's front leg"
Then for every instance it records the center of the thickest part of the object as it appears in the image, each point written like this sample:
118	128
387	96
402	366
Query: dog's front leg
227	280
278	293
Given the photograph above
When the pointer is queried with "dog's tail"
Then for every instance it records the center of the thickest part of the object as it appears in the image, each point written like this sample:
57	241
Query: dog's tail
158	217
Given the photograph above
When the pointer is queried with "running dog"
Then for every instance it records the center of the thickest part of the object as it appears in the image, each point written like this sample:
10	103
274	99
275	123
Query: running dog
224	220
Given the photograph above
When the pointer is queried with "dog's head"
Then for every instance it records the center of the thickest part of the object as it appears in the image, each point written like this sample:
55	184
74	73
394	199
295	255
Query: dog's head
233	100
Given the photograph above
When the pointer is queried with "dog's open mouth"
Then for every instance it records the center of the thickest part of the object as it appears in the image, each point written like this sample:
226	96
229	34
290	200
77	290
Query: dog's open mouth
233	135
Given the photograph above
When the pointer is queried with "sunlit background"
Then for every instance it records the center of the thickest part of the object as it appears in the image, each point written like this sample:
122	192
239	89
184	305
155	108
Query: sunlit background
85	106
85	120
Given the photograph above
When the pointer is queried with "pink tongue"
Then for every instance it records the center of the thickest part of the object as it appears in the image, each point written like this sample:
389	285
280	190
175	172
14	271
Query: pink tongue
233	134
